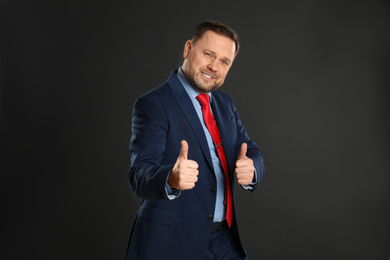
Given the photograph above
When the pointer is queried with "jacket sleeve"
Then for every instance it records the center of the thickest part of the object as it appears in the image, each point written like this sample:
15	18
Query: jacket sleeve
147	177
253	151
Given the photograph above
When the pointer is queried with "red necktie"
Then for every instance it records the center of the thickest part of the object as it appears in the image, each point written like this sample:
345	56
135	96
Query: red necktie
214	132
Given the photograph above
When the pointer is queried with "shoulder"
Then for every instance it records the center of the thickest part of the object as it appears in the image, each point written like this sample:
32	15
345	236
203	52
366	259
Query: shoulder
156	92
150	99
149	108
163	91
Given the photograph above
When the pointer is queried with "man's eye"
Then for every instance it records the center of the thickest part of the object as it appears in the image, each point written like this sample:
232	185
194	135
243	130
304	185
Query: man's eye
207	54
224	62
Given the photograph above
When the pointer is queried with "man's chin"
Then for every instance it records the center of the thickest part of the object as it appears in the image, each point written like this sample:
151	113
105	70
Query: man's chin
202	88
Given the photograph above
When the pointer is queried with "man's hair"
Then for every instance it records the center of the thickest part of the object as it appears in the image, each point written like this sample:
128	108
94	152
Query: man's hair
216	27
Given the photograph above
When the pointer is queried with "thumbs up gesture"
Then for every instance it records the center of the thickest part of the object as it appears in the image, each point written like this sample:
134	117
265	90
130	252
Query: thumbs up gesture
184	173
245	170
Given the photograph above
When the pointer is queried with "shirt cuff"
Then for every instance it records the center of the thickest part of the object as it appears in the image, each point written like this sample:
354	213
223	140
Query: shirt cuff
171	193
251	185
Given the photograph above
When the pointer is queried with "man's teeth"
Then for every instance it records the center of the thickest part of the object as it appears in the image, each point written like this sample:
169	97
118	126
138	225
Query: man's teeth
207	76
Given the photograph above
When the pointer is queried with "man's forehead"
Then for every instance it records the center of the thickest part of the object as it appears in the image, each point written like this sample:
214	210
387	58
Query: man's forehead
217	43
212	34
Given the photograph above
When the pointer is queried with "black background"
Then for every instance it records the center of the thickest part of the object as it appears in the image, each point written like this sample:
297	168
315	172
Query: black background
310	82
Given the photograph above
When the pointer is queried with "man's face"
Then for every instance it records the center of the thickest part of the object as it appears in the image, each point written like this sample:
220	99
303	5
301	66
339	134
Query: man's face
208	61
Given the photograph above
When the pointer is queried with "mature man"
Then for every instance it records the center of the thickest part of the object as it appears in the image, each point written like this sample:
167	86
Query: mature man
187	145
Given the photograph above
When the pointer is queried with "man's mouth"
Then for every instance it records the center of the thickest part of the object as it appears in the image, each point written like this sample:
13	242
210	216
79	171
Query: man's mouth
207	75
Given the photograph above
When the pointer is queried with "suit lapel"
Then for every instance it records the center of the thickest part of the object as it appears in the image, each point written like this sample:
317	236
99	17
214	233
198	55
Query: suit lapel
222	119
186	106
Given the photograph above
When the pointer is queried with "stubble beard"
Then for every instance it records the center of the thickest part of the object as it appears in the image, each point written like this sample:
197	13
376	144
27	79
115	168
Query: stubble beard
201	87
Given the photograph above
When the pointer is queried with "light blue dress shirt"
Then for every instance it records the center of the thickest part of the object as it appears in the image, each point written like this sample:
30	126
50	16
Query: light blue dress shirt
219	213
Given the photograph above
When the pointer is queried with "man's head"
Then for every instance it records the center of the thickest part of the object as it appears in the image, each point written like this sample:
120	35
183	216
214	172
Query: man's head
209	55
218	28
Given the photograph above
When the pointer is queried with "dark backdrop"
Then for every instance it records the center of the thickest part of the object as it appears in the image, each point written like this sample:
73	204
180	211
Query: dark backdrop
310	82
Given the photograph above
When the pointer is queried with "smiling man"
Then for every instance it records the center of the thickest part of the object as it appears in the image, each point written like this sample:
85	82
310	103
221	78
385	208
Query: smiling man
208	60
187	148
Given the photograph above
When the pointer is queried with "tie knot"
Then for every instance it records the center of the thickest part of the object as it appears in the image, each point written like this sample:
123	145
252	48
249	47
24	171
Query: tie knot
203	99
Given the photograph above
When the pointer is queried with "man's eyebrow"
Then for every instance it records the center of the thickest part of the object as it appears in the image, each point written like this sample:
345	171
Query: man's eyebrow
228	59
213	52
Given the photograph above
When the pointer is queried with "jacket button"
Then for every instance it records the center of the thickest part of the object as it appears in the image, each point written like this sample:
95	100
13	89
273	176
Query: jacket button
213	190
210	217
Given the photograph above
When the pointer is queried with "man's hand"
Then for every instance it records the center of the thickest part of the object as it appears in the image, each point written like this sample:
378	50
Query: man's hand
184	173
245	170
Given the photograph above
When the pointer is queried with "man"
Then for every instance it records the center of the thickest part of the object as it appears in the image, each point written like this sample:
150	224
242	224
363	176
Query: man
187	145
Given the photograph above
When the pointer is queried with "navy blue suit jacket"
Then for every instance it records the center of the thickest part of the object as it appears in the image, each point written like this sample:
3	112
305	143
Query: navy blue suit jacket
162	118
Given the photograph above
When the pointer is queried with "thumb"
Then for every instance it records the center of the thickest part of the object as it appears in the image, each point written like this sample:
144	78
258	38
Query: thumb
242	153
184	150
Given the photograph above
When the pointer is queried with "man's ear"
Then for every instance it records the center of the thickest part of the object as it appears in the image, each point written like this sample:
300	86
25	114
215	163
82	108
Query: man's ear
187	49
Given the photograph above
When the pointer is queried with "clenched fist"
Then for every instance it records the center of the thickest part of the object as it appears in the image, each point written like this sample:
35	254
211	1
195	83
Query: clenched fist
184	173
245	169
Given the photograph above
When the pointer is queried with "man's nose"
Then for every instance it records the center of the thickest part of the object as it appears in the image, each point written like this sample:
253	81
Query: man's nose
213	66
